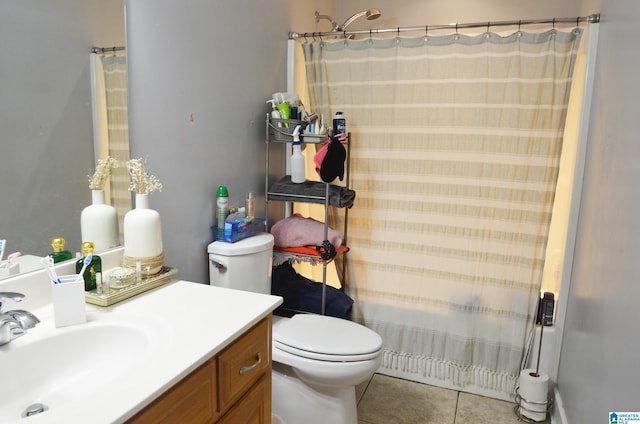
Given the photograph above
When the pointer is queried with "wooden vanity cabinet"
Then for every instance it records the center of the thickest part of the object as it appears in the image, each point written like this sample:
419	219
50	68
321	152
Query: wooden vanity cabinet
232	387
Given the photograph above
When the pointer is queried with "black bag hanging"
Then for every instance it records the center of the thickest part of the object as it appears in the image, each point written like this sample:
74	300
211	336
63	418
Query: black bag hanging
333	163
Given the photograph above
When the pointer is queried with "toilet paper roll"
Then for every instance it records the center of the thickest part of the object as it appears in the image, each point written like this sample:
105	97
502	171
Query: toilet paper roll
533	391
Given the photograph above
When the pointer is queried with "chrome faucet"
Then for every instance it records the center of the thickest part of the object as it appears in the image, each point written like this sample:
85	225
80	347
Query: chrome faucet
15	323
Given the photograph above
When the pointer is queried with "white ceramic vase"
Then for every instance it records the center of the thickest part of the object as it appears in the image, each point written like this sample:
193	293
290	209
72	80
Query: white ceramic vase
143	237
99	223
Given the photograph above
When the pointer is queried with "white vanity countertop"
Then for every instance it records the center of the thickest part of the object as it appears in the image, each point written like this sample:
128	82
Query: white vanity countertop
195	322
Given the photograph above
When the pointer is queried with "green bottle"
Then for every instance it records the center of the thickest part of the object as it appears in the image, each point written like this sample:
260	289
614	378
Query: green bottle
59	254
222	209
93	273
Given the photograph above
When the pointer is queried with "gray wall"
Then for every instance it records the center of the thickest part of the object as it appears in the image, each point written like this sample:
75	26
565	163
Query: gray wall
45	115
600	351
217	61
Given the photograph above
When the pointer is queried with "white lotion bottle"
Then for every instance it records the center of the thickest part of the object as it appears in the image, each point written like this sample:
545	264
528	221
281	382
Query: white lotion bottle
274	111
297	159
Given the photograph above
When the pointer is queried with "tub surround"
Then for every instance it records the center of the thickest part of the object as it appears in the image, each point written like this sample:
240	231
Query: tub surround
196	323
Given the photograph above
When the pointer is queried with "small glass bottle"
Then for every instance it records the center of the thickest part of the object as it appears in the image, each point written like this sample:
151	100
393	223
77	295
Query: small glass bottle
93	273
250	204
59	254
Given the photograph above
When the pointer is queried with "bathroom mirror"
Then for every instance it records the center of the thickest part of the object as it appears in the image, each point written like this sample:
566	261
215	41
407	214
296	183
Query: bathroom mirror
47	148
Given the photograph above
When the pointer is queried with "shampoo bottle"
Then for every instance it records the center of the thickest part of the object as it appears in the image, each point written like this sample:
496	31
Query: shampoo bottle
339	124
59	254
297	160
93	273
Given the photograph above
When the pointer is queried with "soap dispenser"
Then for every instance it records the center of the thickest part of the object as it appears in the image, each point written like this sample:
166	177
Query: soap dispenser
93	273
59	254
297	159
275	113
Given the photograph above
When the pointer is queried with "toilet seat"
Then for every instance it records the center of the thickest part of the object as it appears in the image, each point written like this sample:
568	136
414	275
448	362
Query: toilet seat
326	338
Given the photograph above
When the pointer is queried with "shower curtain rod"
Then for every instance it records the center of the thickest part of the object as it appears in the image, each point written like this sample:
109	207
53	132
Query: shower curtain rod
104	50
595	18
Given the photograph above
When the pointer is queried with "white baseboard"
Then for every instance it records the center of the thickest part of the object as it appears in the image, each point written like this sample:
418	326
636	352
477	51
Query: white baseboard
446	384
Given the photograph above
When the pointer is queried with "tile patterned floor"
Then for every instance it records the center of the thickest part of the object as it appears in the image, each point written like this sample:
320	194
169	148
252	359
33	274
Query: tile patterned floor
384	400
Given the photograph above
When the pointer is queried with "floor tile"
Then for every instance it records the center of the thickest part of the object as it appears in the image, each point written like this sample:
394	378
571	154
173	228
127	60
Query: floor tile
474	409
392	400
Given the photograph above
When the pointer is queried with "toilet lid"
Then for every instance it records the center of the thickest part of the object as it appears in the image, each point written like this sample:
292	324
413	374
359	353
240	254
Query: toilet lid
253	244
327	338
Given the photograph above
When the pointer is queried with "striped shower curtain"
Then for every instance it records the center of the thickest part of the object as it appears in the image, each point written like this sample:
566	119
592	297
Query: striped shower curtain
111	124
455	150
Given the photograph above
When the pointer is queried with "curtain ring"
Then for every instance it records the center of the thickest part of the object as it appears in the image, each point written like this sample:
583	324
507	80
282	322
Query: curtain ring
519	32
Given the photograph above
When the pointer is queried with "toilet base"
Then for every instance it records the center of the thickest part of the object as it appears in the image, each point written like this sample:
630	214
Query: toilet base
296	402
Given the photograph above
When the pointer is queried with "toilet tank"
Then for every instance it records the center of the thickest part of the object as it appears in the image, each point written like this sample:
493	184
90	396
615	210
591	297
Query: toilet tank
243	265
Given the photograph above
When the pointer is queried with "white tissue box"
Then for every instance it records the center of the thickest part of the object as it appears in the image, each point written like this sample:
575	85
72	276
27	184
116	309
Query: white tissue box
68	301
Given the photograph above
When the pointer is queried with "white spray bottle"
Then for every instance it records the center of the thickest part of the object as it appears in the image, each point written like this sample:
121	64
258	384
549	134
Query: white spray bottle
297	160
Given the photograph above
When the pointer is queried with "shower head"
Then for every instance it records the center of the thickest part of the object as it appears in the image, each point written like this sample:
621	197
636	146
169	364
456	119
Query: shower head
370	14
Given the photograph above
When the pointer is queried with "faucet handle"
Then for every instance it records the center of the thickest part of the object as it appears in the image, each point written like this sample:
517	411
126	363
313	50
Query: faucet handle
25	319
16	297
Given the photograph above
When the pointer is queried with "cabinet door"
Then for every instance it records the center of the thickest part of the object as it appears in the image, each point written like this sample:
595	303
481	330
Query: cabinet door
254	407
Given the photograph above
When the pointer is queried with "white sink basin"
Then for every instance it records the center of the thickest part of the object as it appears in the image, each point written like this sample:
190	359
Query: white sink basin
124	356
59	368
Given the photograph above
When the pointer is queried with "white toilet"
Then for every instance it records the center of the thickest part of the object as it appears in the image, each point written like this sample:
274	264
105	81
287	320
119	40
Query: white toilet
317	360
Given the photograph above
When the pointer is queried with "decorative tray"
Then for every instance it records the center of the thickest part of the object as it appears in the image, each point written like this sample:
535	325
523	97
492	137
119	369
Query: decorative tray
118	295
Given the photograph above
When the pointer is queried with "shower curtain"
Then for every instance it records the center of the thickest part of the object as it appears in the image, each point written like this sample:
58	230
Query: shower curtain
455	150
111	124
